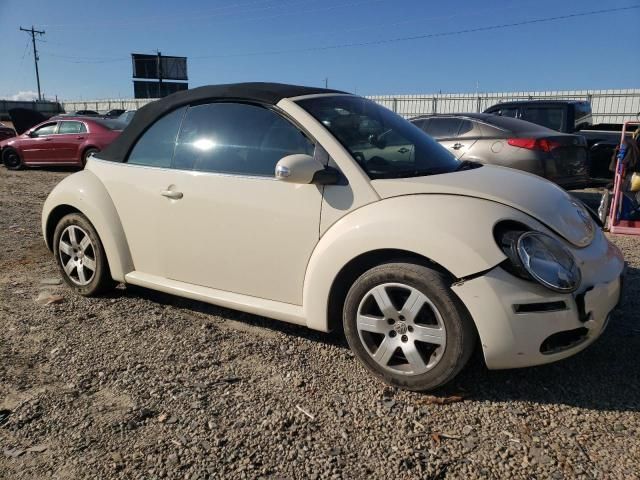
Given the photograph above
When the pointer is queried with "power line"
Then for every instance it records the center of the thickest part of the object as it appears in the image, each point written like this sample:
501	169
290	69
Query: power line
88	60
33	33
386	25
220	11
79	59
424	36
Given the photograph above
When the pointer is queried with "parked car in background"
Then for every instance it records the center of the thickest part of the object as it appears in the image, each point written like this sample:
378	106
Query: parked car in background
6	132
316	207
127	116
61	141
569	116
510	142
114	113
86	113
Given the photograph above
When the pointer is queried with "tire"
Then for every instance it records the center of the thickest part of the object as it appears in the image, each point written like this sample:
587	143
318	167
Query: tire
11	159
605	205
421	307
87	153
77	246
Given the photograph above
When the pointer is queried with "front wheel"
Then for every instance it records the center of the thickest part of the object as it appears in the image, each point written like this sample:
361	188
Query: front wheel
11	159
406	326
80	255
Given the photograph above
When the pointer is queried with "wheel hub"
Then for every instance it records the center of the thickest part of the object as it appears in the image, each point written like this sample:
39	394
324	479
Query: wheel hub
401	329
77	255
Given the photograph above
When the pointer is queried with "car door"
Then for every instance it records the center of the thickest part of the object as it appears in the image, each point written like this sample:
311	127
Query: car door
37	146
469	139
231	225
136	187
445	131
71	134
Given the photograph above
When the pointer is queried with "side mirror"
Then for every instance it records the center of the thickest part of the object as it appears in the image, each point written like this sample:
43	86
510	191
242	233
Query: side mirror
32	134
301	168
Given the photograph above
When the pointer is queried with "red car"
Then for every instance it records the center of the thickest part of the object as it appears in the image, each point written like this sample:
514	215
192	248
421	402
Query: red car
59	141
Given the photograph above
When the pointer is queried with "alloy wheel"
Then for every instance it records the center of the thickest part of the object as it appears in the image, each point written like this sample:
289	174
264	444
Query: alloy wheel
77	255
401	329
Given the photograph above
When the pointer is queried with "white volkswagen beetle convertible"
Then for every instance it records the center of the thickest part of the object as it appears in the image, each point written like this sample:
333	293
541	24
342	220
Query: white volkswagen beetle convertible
318	207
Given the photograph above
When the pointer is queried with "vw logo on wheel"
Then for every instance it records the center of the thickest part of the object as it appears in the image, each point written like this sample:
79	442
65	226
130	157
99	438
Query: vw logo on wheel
401	328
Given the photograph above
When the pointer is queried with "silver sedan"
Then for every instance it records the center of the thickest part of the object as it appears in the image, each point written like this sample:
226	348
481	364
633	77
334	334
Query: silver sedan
510	142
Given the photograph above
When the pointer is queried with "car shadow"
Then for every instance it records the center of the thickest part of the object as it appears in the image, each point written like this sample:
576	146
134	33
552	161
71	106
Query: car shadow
605	376
56	169
332	338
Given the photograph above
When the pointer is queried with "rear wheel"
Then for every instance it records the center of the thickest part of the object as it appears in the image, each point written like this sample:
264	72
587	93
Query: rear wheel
87	153
11	159
80	255
406	326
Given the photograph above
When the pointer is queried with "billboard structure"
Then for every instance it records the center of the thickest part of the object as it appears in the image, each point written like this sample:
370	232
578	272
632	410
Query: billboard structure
156	69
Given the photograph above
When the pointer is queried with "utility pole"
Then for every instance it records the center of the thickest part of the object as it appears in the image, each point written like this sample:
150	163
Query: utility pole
326	82
159	74
33	32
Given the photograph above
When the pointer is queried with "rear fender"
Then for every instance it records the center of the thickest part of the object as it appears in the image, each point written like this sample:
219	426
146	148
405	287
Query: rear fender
455	232
84	192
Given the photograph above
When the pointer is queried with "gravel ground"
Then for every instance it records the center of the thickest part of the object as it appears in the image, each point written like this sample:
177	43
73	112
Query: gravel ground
144	385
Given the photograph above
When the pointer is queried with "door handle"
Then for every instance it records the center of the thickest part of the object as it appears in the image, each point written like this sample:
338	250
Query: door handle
457	146
46	140
172	194
80	138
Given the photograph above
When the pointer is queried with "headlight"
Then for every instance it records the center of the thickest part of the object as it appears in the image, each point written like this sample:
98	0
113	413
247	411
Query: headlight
537	256
548	262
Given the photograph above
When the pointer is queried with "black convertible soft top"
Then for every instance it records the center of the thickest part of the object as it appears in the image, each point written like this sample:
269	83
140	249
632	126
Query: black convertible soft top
265	93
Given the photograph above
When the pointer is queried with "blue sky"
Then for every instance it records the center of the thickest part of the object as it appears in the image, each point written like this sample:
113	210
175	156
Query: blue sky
85	51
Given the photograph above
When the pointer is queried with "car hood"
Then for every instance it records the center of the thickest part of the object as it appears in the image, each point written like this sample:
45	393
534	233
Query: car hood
533	195
24	118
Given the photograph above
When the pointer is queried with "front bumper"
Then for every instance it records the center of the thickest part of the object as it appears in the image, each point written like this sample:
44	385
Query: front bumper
521	323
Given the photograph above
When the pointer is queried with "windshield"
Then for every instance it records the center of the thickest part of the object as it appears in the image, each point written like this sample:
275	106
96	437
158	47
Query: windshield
126	117
383	143
111	124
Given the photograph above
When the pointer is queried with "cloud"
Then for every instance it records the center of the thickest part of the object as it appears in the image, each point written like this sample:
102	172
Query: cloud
24	96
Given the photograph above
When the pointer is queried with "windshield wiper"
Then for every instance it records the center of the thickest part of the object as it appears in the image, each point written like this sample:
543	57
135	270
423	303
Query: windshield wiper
412	173
467	165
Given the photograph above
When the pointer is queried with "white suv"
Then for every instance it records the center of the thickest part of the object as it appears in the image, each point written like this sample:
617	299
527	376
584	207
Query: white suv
322	208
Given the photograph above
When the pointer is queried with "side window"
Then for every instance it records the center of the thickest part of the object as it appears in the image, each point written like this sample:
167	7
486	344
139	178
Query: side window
48	129
236	138
422	124
467	128
155	147
71	127
549	117
444	127
507	112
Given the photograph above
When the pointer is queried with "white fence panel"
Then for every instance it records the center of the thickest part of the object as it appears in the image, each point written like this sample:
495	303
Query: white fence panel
609	106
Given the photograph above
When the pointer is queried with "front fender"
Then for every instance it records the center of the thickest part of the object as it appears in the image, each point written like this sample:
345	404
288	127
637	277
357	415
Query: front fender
455	232
83	191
